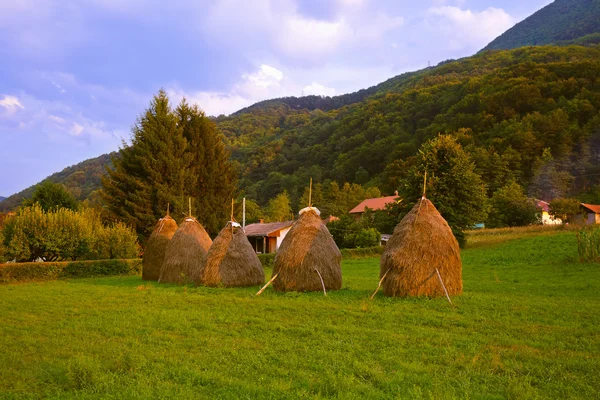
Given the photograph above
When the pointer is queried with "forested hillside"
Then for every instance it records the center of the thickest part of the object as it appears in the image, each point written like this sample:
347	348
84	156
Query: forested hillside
82	180
561	22
506	107
529	115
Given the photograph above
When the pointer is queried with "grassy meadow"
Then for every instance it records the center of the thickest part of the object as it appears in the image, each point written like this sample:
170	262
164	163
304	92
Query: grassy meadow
526	327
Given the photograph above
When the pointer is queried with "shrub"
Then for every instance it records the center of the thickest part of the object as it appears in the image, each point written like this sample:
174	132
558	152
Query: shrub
64	234
25	272
267	260
588	245
362	253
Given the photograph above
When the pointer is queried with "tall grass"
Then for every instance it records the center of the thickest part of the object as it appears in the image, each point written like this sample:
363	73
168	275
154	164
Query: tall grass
588	245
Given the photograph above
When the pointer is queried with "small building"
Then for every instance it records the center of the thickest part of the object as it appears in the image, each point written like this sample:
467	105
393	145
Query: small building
385	237
545	217
329	219
375	204
590	214
267	237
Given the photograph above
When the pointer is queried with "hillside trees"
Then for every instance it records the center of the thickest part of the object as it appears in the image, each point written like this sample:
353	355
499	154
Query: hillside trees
174	154
452	184
51	196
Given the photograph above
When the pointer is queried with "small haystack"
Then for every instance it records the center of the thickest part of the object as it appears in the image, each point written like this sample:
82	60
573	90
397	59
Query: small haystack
154	254
231	260
421	253
185	256
308	258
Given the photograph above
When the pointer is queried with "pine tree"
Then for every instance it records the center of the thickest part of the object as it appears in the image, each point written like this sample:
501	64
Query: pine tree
173	155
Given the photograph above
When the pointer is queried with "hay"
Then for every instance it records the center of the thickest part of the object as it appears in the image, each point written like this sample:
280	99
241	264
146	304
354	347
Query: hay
185	256
421	242
231	261
155	249
308	246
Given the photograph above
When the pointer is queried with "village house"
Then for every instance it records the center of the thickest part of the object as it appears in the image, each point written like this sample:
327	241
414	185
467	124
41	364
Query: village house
375	204
267	237
545	216
590	215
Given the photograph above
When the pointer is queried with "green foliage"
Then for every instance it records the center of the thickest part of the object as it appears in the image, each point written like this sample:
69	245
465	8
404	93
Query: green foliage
51	196
560	22
562	208
510	207
452	184
63	234
588	245
175	154
267	259
35	271
364	252
349	233
279	209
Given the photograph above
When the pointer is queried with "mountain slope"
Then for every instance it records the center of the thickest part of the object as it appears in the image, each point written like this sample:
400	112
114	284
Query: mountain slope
81	180
563	21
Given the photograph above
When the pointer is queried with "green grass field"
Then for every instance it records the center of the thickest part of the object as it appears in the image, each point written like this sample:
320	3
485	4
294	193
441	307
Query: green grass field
526	327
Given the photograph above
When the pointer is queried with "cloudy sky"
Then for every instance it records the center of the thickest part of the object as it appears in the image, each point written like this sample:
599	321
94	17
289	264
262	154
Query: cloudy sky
74	75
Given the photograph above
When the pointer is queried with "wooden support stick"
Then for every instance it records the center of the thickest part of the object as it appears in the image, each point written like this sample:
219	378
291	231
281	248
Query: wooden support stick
168	208
443	286
310	193
322	283
425	185
267	285
190	206
380	283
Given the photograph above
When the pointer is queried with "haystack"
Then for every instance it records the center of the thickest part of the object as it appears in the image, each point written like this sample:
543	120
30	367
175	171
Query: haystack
154	254
421	252
185	256
231	260
307	254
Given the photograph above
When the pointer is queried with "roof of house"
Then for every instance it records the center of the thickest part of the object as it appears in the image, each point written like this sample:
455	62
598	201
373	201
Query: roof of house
544	205
377	203
268	229
592	207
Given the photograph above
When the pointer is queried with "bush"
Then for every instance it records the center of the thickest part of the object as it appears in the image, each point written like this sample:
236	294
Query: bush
588	245
362	253
26	272
267	259
64	234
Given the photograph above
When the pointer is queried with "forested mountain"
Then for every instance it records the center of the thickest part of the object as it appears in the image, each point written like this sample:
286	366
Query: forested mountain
2	198
506	107
82	180
561	22
531	115
327	103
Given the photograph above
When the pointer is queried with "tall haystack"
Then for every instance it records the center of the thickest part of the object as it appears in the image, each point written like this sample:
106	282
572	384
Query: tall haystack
154	254
185	256
231	260
421	252
307	254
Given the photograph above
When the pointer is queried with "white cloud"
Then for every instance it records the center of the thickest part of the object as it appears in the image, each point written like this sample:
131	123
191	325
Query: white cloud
466	28
318	89
11	104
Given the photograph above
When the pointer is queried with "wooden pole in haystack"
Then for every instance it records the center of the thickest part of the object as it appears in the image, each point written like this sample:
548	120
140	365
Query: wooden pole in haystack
189	206
244	213
310	193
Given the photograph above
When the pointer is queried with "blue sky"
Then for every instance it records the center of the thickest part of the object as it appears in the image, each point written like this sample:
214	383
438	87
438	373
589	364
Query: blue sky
74	75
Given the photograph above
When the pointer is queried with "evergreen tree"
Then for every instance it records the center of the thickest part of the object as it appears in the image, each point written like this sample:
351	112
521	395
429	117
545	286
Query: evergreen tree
210	178
173	155
452	185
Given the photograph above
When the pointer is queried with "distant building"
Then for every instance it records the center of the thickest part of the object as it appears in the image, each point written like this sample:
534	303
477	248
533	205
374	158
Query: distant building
378	203
385	237
546	218
590	215
329	219
267	237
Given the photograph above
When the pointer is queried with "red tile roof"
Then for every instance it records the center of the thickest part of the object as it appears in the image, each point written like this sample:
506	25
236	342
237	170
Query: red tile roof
593	208
268	229
544	205
375	204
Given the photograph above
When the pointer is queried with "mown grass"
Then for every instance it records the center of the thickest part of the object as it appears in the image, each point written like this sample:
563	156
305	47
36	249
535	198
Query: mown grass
526	327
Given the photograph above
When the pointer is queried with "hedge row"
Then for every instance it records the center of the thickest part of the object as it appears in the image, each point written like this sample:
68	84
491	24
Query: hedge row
48	271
